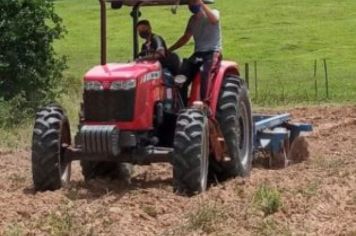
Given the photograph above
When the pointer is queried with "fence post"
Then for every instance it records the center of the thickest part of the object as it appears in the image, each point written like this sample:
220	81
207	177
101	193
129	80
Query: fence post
247	75
315	78
326	78
256	80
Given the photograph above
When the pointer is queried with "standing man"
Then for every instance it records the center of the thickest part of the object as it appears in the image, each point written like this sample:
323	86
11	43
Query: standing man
204	26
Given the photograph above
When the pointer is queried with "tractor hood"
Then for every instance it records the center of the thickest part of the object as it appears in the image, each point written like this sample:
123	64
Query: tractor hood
115	71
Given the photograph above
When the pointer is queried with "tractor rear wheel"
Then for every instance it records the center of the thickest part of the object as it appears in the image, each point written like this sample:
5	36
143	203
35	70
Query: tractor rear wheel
95	169
51	133
191	152
235	119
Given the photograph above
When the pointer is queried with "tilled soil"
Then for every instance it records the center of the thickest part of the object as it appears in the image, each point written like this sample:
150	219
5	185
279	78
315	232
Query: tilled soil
317	196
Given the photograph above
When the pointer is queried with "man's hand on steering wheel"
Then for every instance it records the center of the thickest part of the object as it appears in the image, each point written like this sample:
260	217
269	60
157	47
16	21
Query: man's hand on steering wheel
145	58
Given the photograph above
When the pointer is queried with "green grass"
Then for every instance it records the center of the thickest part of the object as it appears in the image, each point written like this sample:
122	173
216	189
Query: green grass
207	219
61	221
269	226
267	199
14	230
310	190
283	36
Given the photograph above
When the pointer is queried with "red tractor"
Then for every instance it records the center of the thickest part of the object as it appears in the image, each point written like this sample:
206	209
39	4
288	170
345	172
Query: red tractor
131	115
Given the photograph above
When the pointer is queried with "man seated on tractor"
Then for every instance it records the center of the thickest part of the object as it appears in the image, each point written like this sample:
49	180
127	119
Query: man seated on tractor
154	48
204	26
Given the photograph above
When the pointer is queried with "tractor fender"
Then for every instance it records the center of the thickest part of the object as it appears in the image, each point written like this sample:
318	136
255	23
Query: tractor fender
226	67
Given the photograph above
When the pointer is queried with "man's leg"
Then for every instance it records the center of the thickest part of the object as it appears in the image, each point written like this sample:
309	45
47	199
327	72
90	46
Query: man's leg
210	65
189	69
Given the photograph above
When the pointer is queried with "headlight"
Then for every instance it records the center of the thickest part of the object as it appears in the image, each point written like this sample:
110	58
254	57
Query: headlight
123	85
93	86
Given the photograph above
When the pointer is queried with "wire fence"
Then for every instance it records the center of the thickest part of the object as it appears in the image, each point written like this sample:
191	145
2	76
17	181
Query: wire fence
280	82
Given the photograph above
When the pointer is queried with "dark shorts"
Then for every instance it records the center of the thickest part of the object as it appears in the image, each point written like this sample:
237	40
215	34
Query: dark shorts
209	62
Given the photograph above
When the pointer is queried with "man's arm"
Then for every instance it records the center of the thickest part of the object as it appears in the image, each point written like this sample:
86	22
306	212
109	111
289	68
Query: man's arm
184	39
181	42
212	17
155	56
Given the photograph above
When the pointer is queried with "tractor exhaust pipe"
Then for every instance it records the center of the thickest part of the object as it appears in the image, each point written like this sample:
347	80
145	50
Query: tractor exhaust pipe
103	32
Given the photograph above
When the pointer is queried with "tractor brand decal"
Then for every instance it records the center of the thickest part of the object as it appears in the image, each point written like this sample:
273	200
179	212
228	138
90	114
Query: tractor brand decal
151	76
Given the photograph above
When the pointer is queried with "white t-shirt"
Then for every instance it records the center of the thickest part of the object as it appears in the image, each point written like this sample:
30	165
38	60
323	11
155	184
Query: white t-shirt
207	36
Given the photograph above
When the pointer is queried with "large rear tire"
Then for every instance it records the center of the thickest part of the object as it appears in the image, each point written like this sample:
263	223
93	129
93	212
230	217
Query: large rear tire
235	119
191	152
51	132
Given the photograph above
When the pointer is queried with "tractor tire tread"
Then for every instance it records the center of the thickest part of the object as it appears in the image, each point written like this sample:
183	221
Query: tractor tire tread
233	92
45	148
186	158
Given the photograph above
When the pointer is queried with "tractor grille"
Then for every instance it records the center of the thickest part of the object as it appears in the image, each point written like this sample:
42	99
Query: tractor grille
109	105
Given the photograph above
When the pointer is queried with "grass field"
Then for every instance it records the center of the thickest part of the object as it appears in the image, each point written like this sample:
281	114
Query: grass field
284	37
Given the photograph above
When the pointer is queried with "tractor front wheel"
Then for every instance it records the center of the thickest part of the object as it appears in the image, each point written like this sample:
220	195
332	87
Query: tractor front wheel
50	134
191	152
235	119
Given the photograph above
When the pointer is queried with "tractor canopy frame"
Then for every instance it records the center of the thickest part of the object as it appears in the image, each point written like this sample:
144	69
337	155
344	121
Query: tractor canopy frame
135	14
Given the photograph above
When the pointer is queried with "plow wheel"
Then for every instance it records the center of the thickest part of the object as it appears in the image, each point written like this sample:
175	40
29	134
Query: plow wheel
290	153
279	159
299	150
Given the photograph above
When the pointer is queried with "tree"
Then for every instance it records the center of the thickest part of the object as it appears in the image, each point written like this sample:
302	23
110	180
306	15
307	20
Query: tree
29	67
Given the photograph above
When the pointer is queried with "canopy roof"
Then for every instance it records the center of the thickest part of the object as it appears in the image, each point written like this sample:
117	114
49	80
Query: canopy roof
154	2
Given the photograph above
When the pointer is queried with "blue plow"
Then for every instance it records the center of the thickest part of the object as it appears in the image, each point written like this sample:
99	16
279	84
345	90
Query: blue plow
276	135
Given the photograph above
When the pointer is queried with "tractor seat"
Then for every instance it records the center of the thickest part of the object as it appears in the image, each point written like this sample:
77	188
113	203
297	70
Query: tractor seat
172	62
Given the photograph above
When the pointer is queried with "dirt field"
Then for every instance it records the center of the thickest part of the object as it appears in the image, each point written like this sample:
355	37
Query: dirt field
316	197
